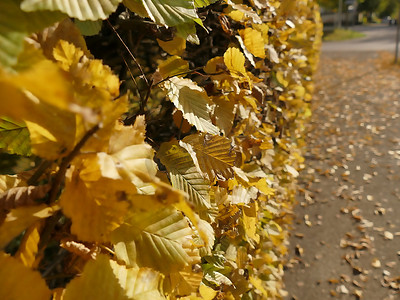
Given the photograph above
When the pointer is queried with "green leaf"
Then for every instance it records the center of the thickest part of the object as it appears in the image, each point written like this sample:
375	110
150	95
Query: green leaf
80	9
89	28
14	137
184	175
193	101
188	32
170	13
158	239
202	3
106	279
15	25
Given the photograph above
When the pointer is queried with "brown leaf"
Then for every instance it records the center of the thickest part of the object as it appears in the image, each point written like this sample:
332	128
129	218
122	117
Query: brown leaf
21	196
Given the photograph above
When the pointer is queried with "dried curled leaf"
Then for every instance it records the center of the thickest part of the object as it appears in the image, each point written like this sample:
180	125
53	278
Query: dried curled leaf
79	248
23	195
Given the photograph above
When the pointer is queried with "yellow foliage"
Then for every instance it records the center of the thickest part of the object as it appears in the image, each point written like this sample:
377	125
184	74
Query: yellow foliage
20	282
174	47
234	61
253	41
105	279
195	209
21	218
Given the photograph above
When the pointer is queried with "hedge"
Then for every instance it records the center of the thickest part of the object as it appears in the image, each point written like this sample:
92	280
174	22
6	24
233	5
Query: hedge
157	145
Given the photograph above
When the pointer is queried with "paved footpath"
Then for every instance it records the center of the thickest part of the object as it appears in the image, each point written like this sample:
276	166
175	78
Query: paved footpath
345	241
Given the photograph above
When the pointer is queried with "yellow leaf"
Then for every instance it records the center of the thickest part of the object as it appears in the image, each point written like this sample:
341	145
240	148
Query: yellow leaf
215	65
206	292
96	207
264	188
281	78
94	84
234	61
224	113
106	279
52	129
263	28
21	218
214	156
64	30
183	283
258	284
174	47
236	15
30	245
184	175
253	41
158	239
172	66
20	282
250	221
193	101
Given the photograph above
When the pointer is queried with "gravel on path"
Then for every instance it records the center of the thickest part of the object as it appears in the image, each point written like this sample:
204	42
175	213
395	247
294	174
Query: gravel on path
345	241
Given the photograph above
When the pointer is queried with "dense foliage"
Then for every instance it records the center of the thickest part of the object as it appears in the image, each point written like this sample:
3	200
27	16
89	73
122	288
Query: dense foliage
174	178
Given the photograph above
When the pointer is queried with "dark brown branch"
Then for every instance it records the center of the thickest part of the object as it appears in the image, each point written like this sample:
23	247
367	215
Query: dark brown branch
67	160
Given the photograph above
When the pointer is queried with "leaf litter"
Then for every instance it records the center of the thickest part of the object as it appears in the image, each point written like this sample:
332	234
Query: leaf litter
351	183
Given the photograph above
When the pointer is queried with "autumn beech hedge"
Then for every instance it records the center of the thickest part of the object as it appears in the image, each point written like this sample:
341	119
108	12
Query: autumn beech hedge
156	145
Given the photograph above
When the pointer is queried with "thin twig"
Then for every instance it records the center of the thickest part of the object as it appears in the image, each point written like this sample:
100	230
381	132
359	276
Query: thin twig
66	161
39	172
130	53
188	72
144	102
133	78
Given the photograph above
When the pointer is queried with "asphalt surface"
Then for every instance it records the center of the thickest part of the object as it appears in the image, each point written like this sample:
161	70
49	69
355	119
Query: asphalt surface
378	37
345	241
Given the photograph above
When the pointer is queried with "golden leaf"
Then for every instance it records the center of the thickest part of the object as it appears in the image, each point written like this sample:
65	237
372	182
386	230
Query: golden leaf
214	156
20	282
96	207
106	279
250	221
184	175
174	47
94	84
206	292
234	61
29	247
183	283
52	130
193	101
64	30
158	239
172	66
21	218
224	113
253	41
